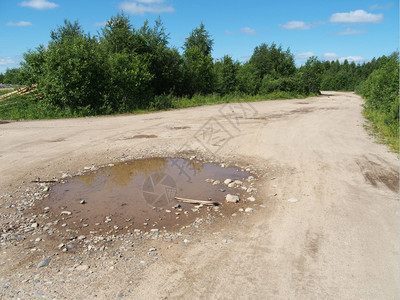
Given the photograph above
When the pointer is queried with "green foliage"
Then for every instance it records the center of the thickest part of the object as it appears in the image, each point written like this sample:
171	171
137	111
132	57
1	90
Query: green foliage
117	35
73	70
201	39
247	80
128	82
226	72
271	84
198	68
33	64
198	72
13	76
311	74
269	60
125	69
381	94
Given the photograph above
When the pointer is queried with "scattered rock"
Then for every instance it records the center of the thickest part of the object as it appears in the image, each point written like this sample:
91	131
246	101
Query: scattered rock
228	181
44	263
216	182
238	182
232	198
293	200
252	199
82	202
152	249
82	268
66	212
35	225
251	189
248	210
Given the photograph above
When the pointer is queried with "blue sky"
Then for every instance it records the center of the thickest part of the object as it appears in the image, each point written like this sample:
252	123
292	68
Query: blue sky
357	30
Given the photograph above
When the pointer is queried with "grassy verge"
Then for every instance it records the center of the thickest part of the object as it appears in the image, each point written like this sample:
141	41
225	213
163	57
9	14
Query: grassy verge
385	133
26	107
3	92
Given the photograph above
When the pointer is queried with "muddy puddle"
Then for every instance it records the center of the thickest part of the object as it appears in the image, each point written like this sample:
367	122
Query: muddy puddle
141	195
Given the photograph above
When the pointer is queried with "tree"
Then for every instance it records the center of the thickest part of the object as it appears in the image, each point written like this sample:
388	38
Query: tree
312	75
201	39
198	72
117	35
33	65
226	75
165	64
73	72
272	60
198	64
13	76
248	81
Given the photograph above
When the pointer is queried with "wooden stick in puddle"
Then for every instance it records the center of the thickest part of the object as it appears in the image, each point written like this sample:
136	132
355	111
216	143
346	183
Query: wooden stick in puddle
192	201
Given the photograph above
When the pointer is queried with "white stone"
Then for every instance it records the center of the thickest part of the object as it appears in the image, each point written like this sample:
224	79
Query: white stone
228	181
82	268
232	198
293	200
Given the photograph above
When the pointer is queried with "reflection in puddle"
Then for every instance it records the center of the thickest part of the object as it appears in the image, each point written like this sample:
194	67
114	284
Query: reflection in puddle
140	194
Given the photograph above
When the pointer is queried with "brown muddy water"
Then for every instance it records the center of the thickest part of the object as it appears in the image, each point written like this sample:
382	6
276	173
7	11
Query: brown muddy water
141	195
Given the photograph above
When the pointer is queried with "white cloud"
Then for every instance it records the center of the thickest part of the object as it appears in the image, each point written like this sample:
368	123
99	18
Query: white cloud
228	32
357	16
7	60
296	25
100	23
377	6
304	55
141	7
19	24
349	31
352	58
248	30
330	56
39	4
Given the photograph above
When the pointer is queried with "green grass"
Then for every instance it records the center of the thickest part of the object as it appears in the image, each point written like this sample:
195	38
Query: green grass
3	92
384	133
27	107
170	102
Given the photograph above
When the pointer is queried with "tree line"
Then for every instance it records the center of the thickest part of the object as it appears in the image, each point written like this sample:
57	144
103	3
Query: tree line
125	68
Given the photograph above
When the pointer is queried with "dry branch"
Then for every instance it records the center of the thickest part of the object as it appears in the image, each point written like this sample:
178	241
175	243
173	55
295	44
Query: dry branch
192	201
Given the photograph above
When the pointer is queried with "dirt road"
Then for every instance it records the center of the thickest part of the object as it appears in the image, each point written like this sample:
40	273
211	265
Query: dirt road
338	237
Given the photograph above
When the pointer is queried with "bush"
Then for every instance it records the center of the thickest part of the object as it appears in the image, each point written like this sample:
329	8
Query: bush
381	94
